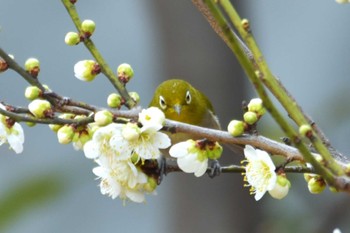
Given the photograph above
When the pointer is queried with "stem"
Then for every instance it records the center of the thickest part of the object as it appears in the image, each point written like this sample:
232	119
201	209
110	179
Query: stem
289	104
55	120
105	68
255	74
240	169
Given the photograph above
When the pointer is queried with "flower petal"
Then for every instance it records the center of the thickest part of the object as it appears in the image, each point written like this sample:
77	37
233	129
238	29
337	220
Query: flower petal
202	169
179	150
162	140
91	150
135	196
189	163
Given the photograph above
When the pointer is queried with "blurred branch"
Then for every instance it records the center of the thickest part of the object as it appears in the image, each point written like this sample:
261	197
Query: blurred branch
29	193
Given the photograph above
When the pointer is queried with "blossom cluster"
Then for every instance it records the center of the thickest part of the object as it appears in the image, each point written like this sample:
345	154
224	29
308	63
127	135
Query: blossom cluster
118	149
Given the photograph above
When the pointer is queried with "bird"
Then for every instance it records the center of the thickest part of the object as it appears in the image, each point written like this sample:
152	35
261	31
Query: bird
180	101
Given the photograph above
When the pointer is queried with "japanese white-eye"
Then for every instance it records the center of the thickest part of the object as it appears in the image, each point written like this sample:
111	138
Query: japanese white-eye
182	102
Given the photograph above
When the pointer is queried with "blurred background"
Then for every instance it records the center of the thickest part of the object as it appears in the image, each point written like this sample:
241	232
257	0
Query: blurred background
50	187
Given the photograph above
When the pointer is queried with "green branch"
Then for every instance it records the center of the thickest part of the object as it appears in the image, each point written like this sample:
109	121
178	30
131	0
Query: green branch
289	104
258	72
105	68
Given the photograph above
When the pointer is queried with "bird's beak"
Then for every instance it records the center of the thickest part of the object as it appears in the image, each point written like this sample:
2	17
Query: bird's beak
177	108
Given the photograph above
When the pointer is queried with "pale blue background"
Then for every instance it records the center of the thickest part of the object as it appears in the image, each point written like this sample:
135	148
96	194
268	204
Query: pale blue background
306	44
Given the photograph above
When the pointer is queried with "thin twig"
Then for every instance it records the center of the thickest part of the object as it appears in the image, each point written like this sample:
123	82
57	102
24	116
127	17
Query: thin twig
105	68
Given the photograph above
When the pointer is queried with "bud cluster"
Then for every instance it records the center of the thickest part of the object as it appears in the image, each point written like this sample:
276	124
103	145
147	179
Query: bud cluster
254	111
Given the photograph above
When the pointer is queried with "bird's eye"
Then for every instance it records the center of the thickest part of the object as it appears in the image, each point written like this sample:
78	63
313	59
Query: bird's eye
188	97
162	103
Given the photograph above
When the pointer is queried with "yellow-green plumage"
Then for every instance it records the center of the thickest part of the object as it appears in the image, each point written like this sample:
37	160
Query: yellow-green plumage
181	102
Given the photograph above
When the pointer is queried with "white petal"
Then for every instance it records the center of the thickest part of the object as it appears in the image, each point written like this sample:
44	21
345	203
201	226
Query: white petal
135	196
259	195
179	150
202	169
18	131
15	143
264	156
162	140
142	178
250	153
133	168
91	150
272	182
150	129
189	163
100	172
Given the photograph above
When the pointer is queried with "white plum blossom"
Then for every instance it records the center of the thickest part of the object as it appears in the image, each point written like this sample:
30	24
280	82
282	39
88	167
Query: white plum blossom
145	143
151	116
259	171
120	178
12	134
99	145
189	158
118	148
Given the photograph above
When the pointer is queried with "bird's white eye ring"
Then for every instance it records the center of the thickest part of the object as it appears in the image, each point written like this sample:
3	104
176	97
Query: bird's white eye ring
162	103
188	97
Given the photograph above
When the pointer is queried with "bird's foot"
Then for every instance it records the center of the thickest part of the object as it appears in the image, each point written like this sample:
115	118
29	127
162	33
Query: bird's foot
214	169
162	169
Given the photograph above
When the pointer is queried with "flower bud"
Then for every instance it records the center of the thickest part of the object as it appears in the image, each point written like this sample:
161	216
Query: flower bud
86	70
281	188
32	66
214	150
305	130
54	127
65	134
135	158
245	24
316	185
30	124
103	118
47	88
3	65
135	96
85	136
32	92
131	131
333	189
125	73
250	118
114	100
308	176
39	108
256	105
235	128
88	27
151	185
72	38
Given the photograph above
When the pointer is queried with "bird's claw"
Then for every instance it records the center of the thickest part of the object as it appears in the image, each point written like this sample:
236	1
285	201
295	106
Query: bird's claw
162	169
215	169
